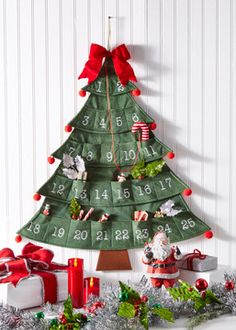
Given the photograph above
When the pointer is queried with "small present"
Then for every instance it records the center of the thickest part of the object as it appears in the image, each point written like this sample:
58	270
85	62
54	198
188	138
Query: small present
196	261
211	276
30	292
31	279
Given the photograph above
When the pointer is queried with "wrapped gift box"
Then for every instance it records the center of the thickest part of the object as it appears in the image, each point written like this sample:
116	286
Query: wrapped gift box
216	275
29	292
197	264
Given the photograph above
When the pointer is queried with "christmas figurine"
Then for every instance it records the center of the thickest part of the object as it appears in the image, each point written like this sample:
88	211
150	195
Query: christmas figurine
160	258
47	209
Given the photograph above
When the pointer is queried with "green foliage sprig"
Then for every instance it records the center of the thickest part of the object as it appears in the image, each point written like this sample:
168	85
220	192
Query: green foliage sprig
186	292
132	305
72	320
151	169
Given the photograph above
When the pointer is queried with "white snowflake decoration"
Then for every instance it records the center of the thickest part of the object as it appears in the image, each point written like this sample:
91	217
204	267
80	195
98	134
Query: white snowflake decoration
167	209
73	166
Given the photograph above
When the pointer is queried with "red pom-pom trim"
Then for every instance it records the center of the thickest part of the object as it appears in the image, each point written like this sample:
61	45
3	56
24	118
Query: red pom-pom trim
170	155
208	234
18	238
136	92
187	192
68	128
37	197
51	160
153	126
82	93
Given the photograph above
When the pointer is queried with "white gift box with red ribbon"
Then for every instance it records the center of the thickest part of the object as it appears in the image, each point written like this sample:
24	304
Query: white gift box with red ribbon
29	292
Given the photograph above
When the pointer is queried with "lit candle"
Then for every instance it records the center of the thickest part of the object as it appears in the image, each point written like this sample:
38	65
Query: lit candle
76	281
91	286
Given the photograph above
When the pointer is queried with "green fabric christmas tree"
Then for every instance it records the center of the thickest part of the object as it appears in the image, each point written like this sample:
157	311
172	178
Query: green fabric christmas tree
102	136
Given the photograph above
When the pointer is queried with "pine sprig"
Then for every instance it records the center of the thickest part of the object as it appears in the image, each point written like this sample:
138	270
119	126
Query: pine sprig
74	208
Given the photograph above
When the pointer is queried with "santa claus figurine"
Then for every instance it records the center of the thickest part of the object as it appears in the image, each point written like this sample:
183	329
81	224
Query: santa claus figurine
160	258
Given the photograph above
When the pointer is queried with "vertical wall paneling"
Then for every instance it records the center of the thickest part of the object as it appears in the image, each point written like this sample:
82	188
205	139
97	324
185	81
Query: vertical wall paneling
184	56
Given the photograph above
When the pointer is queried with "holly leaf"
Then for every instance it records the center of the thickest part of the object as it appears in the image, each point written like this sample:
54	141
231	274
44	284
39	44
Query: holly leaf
211	298
68	309
143	315
126	310
133	295
163	313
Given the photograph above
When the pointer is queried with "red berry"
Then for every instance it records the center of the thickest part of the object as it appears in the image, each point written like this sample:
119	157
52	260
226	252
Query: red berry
61	316
209	234
82	93
229	285
201	284
64	321
68	128
51	160
187	192
170	155
18	238
203	294
136	92
144	298
37	197
190	289
153	126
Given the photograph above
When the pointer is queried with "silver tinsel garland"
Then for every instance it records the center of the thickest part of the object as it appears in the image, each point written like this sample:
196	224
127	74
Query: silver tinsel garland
106	318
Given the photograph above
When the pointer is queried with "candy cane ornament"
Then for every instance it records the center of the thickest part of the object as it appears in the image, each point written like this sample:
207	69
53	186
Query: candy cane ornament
144	128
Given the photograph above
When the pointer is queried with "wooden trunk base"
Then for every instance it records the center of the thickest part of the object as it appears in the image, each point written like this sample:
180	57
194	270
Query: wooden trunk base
113	260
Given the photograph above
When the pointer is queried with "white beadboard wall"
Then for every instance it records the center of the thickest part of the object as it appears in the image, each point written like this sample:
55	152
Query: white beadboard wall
184	56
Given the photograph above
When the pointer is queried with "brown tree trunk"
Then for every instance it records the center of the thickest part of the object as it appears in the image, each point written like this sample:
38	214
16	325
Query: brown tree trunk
113	260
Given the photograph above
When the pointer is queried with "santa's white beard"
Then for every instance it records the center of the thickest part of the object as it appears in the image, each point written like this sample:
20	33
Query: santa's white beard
161	252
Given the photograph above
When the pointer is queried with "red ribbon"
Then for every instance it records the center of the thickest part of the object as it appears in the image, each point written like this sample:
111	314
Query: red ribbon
196	254
34	260
119	55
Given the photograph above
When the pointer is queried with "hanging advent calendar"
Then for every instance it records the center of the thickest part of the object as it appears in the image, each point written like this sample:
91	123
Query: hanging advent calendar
112	189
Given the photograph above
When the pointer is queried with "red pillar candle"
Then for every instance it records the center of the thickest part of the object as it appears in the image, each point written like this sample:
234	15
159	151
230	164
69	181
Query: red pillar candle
91	286
76	281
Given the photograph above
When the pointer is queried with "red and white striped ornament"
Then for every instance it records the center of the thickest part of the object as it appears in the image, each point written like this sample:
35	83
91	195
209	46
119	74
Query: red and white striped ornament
104	217
88	214
144	128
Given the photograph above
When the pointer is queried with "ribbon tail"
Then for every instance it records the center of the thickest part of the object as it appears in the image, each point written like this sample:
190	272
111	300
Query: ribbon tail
124	71
49	282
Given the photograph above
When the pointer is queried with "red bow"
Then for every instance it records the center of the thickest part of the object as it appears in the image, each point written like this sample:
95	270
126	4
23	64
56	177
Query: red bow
196	254
119	55
34	260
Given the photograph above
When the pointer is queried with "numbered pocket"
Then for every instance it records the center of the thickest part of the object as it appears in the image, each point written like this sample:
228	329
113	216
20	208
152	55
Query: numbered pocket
57	187
167	225
101	235
142	231
36	228
122	193
167	185
80	190
57	232
91	153
100	194
122	235
152	150
143	191
189	225
79	236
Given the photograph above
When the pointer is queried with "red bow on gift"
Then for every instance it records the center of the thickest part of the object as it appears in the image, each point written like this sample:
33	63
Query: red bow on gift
119	55
196	254
34	260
